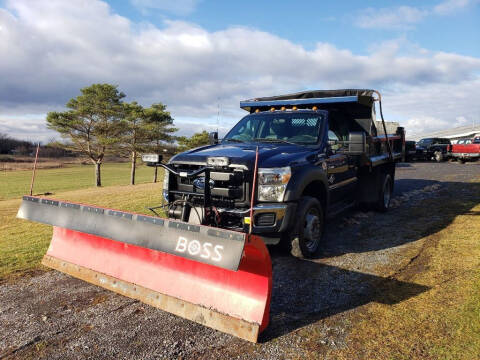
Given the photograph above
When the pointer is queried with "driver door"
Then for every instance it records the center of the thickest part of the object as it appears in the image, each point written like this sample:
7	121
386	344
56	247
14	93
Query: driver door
341	175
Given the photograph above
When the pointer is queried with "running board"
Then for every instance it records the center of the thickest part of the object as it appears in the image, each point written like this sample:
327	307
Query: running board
339	208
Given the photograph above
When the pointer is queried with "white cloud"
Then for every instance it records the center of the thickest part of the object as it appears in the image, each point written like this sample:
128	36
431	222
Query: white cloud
56	47
400	17
405	17
177	7
433	107
188	127
26	127
449	6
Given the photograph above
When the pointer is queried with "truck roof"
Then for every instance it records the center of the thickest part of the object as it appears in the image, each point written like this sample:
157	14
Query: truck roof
357	104
312	97
307	94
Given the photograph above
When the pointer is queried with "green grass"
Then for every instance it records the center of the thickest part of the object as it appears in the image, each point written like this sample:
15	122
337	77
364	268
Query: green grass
14	184
23	243
441	323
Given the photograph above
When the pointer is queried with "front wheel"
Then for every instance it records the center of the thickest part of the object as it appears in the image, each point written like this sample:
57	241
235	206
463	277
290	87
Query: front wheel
385	193
308	232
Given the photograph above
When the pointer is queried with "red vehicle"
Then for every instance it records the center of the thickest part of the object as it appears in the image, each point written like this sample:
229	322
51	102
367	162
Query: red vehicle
469	150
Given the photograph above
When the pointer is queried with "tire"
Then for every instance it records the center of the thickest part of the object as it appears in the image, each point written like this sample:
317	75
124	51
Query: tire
385	193
307	235
438	156
462	161
363	206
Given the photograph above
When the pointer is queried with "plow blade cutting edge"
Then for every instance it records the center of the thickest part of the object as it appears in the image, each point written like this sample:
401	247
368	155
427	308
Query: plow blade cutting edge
216	277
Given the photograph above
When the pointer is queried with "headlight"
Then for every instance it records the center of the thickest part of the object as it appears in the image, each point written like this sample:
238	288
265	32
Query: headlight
218	161
272	183
165	185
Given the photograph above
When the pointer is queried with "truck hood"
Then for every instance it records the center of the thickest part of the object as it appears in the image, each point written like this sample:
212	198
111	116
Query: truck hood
269	155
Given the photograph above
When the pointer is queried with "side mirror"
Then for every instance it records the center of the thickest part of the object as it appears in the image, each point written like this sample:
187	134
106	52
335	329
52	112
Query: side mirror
213	138
357	143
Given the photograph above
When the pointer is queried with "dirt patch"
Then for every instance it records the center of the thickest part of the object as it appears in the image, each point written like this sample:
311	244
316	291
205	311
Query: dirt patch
14	277
13	163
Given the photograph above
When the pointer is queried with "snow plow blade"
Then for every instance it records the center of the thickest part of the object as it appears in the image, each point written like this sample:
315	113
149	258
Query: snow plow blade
219	278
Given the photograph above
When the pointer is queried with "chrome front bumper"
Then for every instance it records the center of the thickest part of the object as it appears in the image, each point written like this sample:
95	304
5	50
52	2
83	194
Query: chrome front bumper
466	155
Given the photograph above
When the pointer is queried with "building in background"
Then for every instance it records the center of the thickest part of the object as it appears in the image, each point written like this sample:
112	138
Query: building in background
454	134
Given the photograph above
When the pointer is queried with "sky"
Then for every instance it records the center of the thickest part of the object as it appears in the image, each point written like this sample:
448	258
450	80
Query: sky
202	57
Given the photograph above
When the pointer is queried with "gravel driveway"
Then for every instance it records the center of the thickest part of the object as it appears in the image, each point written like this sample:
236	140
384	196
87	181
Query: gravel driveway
51	315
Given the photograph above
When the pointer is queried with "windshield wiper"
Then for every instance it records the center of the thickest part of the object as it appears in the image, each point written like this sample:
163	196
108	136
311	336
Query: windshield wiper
234	140
274	140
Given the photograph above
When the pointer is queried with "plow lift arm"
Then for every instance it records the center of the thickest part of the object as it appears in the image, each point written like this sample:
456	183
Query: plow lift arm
216	277
208	217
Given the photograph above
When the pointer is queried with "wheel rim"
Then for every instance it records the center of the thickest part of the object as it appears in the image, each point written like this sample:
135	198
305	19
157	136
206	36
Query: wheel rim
312	231
387	194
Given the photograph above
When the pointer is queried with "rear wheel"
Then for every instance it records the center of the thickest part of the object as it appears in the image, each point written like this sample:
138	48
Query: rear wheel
308	231
438	156
385	193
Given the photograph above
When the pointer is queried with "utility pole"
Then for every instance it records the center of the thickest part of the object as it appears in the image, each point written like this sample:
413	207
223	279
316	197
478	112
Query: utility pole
34	169
218	113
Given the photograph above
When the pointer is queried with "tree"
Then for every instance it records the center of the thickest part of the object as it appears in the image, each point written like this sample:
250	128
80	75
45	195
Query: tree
144	130
133	134
196	140
160	124
92	124
9	145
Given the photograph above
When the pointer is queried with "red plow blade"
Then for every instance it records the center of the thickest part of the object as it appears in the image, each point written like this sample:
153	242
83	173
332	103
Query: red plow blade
235	300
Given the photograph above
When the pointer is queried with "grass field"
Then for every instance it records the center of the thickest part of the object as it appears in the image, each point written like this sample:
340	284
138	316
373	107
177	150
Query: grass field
14	184
446	318
442	323
19	162
23	243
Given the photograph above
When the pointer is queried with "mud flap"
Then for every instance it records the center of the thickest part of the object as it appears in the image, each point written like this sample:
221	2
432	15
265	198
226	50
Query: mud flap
218	278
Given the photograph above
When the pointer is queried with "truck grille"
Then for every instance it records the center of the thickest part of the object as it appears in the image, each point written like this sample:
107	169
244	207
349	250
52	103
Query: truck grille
230	186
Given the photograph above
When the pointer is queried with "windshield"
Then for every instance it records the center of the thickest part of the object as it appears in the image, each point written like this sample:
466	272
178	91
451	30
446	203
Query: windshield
425	141
298	128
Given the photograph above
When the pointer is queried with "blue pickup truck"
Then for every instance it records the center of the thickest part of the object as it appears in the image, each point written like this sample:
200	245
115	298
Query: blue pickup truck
293	160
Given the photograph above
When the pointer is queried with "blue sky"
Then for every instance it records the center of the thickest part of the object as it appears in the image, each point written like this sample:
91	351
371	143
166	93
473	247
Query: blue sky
308	22
197	56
